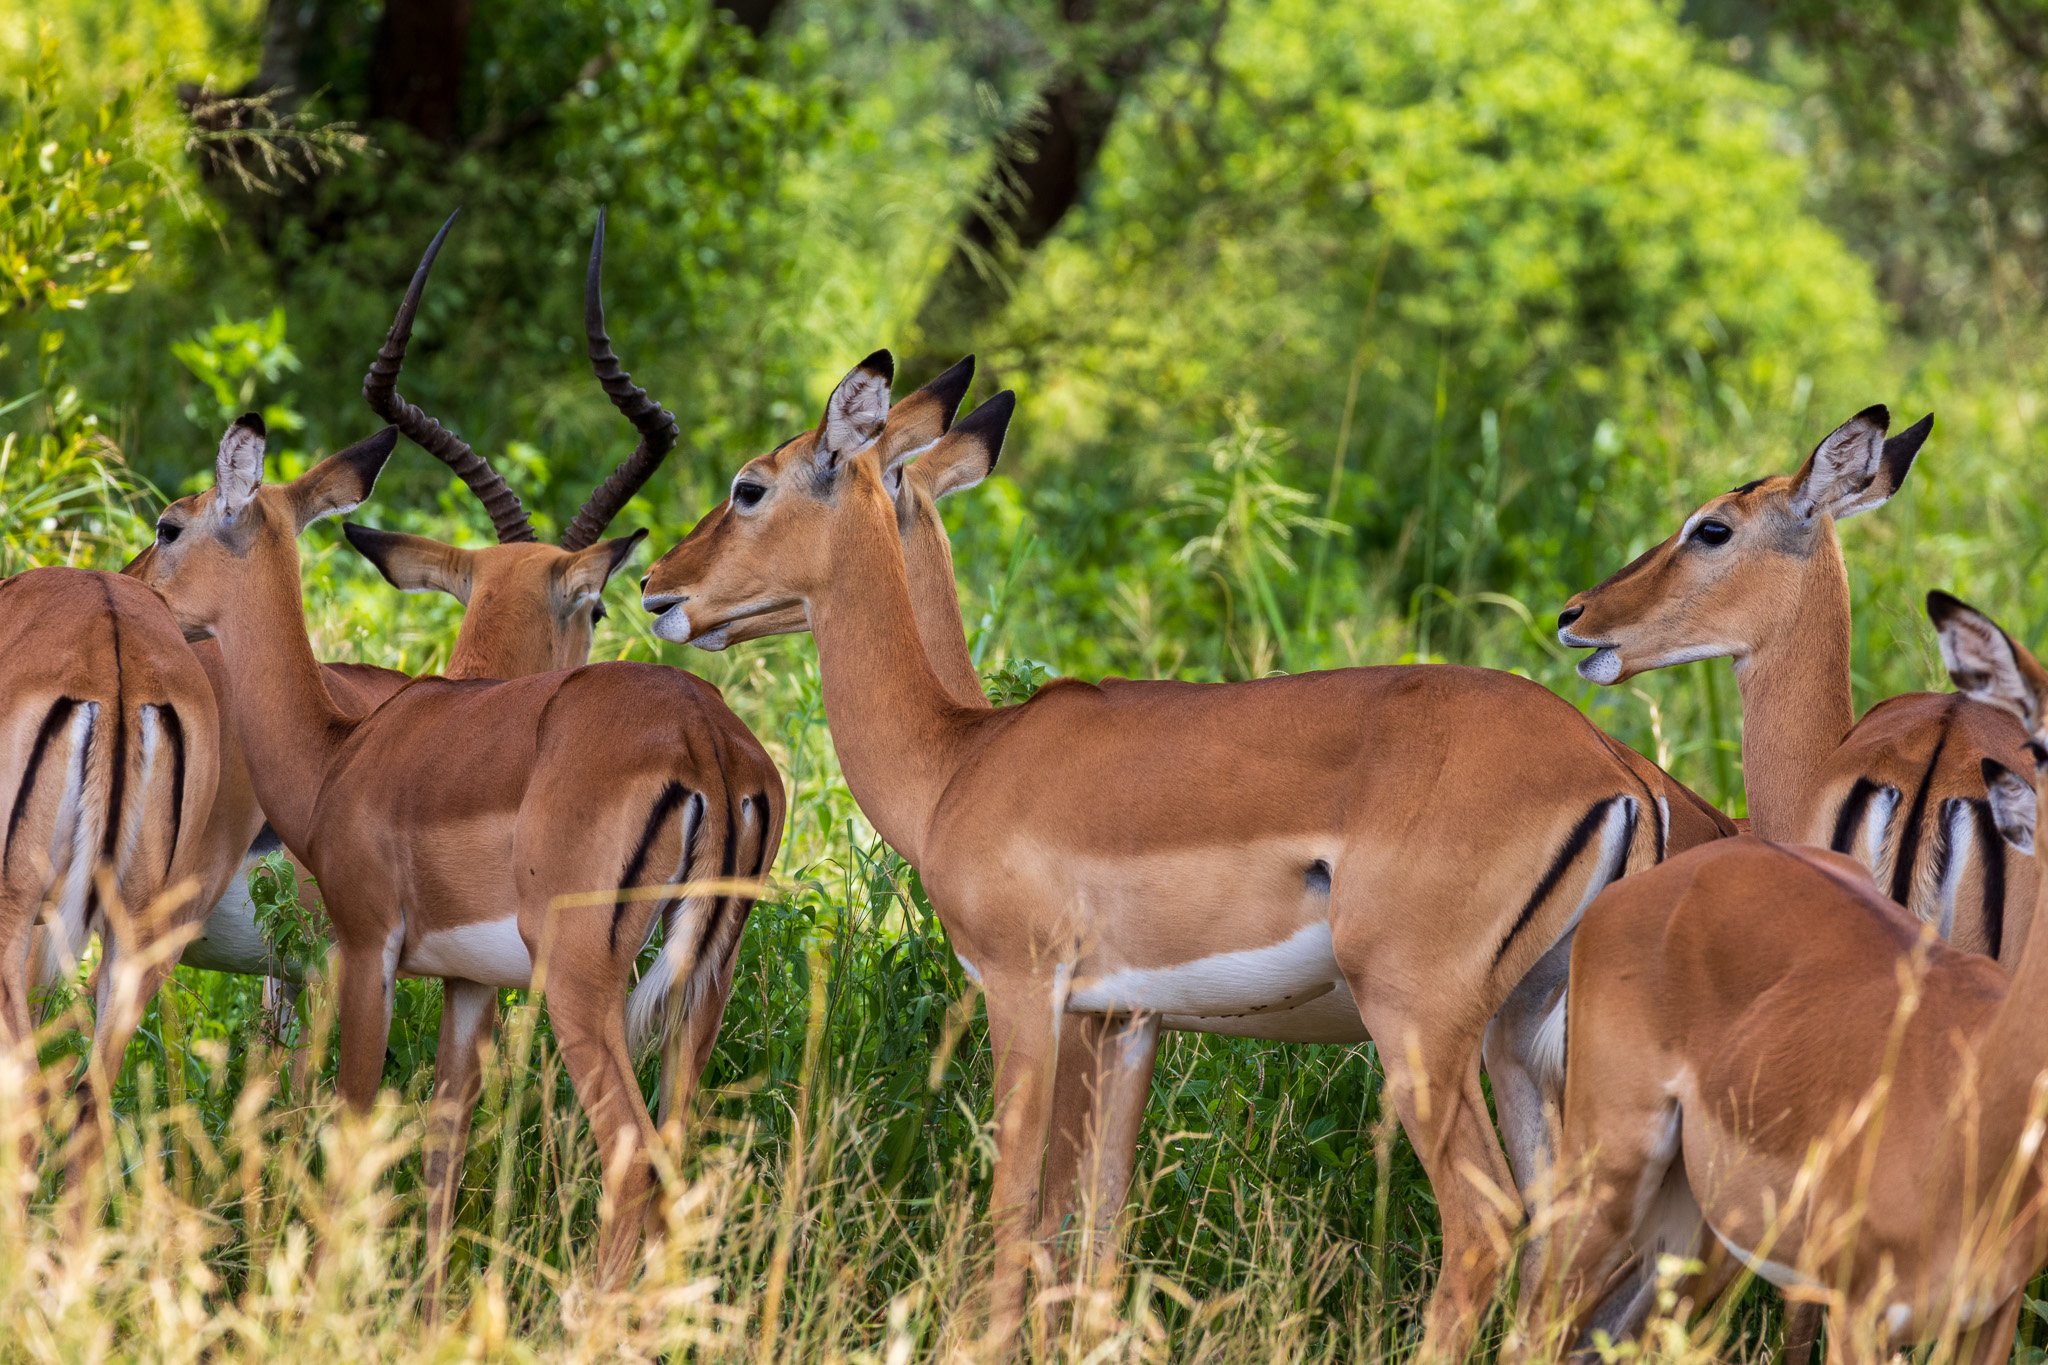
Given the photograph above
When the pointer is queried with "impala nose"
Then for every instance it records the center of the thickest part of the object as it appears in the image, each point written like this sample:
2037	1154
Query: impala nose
643	581
1569	615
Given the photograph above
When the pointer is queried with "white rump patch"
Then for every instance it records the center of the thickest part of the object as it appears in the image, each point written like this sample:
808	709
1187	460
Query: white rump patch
1253	981
1959	838
490	953
74	848
1875	836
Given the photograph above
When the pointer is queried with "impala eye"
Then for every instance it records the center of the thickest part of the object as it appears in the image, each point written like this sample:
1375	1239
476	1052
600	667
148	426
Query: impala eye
168	531
597	613
1712	532
747	495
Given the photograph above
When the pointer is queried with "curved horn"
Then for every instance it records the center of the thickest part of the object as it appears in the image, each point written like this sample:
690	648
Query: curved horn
655	423
380	391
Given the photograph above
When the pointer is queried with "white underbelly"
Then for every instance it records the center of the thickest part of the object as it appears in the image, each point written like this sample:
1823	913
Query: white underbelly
1277	978
490	953
1331	1017
1774	1272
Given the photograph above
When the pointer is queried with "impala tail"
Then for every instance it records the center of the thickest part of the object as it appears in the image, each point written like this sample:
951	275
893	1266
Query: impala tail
100	788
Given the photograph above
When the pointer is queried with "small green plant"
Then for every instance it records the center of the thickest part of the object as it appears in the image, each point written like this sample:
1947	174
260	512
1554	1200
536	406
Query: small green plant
295	932
1017	680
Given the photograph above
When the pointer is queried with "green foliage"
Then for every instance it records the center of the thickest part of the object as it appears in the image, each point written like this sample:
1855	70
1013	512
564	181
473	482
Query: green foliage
1381	330
295	931
72	198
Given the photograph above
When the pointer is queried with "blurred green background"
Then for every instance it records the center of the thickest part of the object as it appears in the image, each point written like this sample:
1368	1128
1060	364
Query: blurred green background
1343	333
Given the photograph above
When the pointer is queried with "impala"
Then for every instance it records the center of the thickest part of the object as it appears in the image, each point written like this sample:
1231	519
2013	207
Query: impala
1756	575
1333	852
1761	1041
459	829
530	607
1104	1070
109	754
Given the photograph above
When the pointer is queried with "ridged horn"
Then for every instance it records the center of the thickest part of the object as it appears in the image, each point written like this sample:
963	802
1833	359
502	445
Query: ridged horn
380	391
655	423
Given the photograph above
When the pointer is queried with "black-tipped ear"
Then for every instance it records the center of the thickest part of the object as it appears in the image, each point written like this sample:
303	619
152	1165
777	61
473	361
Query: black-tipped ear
856	410
1899	451
412	563
991	422
950	387
342	482
882	363
622	548
238	467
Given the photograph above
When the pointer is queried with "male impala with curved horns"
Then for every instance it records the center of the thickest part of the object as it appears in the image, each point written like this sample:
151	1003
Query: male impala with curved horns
1167	849
1856	1106
108	758
579	799
1756	575
530	606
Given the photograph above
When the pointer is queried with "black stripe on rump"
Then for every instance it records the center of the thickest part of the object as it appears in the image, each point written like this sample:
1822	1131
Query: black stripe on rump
1574	845
117	788
728	866
741	905
1851	816
672	796
174	731
1994	875
1902	871
60	712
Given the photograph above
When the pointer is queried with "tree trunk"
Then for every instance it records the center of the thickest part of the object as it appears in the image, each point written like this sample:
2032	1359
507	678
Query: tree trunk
416	65
1041	168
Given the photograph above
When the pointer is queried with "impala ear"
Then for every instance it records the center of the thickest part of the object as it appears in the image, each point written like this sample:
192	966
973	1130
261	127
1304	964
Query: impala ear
1855	468
238	468
1984	663
341	482
925	415
855	412
414	563
589	570
2013	804
968	453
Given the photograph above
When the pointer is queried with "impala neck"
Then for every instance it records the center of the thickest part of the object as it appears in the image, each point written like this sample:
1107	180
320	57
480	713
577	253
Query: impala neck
896	729
935	600
288	724
1796	705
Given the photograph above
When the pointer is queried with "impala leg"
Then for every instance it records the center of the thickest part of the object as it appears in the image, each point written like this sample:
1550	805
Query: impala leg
366	982
1993	1341
1100	1087
124	990
17	1046
468	1014
589	1018
1433	1084
1024	1018
1802	1333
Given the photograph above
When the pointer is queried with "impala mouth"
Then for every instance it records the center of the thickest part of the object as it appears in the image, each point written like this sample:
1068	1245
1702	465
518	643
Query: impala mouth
671	622
1602	666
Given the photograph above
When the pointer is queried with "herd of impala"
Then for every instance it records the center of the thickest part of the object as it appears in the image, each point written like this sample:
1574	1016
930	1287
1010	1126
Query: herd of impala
1813	1046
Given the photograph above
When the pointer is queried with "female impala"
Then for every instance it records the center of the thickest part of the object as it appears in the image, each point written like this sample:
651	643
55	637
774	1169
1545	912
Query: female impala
1104	1071
108	757
460	828
1757	575
1855	1106
1162	849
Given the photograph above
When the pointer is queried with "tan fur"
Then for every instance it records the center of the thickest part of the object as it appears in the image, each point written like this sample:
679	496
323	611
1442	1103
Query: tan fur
1096	831
458	804
1760	997
102	832
1775	599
